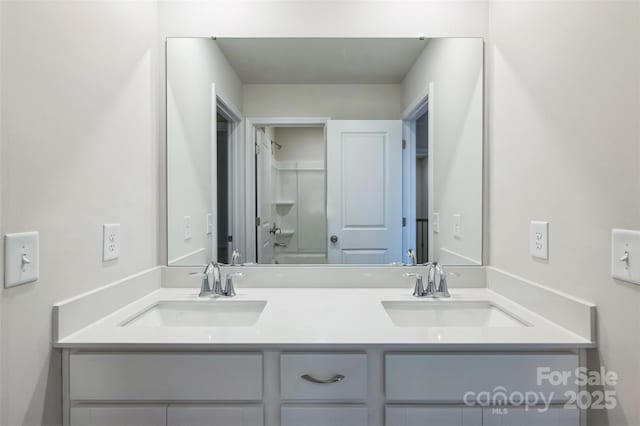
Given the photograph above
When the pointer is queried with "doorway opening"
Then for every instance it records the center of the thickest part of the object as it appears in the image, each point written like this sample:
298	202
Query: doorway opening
421	190
290	182
224	238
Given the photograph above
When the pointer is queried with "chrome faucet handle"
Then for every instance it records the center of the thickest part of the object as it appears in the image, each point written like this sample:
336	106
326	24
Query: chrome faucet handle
443	287
235	257
205	287
412	257
418	289
229	289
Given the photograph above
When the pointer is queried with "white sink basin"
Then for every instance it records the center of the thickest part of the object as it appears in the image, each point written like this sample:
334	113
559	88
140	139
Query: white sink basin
449	314
213	313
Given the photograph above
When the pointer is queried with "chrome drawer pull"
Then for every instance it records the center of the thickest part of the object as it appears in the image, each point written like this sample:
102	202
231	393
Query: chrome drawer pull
335	379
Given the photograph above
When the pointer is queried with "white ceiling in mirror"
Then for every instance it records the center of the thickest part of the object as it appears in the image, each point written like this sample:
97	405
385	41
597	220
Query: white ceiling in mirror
322	60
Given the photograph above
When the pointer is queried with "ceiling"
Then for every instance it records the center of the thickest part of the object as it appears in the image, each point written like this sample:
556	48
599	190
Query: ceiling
321	60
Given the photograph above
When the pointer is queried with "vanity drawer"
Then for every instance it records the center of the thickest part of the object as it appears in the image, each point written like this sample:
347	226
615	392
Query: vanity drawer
338	415
326	368
165	376
447	377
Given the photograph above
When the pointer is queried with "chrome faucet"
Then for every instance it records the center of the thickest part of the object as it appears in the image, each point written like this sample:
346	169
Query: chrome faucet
274	229
235	257
411	255
433	269
205	287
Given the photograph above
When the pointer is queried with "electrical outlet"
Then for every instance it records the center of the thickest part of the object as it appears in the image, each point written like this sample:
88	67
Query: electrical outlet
457	225
539	239
21	258
209	224
625	255
188	228
110	241
436	222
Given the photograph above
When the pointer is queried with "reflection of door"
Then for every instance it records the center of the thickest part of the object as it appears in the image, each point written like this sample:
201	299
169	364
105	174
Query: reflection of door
364	191
264	200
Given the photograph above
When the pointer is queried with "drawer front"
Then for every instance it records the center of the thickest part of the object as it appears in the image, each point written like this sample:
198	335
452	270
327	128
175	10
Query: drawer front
440	416
341	415
118	415
166	377
238	415
327	368
556	416
450	377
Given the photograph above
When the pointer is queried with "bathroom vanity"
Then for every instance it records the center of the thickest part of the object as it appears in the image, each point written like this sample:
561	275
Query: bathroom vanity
355	182
149	351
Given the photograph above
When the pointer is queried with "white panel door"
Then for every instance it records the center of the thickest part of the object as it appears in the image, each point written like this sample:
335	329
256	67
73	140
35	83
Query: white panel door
241	415
508	416
364	191
118	415
432	416
265	200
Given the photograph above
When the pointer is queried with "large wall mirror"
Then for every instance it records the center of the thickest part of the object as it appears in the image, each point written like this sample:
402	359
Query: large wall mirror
325	150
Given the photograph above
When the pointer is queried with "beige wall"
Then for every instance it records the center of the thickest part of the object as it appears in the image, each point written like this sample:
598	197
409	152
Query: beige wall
193	64
79	148
455	68
336	101
565	147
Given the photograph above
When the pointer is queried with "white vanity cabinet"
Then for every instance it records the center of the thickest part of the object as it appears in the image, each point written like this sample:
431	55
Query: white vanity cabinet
240	415
350	386
436	416
556	416
118	415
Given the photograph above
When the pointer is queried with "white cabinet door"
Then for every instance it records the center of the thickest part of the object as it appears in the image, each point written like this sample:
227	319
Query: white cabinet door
556	416
432	416
364	191
328	415
241	415
114	415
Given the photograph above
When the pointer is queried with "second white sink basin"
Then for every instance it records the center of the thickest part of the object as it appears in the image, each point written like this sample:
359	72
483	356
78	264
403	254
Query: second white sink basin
449	314
212	313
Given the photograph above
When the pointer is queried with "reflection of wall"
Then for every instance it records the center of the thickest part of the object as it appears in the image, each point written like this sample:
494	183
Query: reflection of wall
192	65
455	68
302	182
338	101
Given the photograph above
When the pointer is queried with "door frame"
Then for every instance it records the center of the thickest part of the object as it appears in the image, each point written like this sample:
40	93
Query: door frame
424	102
221	103
249	176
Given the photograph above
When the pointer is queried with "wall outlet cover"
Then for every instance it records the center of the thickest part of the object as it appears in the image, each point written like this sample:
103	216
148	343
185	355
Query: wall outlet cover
539	239
457	225
188	228
625	255
21	258
110	241
209	224
436	222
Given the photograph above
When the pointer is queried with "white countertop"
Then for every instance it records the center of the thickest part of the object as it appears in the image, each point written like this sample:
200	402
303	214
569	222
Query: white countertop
324	316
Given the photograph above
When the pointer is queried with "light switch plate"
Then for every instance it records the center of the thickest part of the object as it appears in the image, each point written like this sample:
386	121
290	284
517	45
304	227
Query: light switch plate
457	225
111	241
625	255
539	239
21	264
436	222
